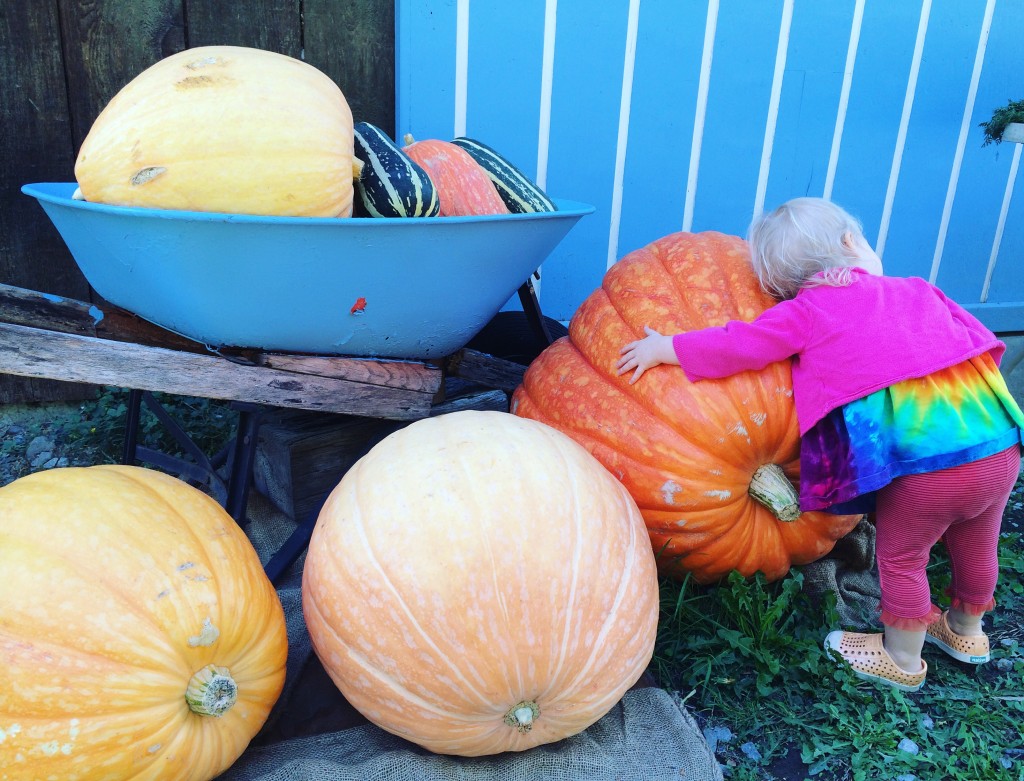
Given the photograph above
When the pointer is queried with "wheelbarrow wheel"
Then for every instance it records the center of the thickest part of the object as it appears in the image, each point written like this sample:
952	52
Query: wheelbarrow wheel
509	335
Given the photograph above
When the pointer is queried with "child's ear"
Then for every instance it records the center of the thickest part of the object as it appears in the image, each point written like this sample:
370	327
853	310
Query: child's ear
849	240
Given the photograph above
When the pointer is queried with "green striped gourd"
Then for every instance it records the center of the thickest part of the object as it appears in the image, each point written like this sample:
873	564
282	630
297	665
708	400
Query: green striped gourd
392	184
515	188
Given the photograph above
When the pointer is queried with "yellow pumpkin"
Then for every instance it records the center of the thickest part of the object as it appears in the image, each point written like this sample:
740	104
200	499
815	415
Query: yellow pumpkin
479	583
224	129
139	637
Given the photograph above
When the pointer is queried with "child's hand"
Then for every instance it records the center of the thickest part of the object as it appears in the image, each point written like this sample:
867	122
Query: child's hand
651	351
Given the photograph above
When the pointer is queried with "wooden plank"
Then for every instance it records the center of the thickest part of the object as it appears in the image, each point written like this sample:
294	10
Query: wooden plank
353	42
485	369
411	375
32	352
68	315
302	455
274	25
107	43
35	145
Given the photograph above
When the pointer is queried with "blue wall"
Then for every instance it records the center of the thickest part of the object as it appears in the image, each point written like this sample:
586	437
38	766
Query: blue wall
693	114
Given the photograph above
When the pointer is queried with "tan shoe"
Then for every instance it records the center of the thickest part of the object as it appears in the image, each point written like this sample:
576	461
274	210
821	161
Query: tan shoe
972	649
869	660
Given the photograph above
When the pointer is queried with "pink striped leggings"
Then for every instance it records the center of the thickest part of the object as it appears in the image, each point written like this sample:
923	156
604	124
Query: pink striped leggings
964	505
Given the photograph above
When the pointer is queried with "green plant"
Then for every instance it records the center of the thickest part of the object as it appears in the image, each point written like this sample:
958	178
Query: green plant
92	432
748	654
1013	111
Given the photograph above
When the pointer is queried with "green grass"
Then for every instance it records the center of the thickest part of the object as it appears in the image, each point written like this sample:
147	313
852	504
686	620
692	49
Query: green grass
747	656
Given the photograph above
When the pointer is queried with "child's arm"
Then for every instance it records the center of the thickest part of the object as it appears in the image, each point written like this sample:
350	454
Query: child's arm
720	351
653	350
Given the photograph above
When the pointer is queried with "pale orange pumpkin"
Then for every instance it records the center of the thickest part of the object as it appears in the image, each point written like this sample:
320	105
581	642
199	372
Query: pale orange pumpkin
139	637
224	129
712	465
478	583
462	185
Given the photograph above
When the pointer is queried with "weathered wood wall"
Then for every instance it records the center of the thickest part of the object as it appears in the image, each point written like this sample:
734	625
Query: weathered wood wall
61	61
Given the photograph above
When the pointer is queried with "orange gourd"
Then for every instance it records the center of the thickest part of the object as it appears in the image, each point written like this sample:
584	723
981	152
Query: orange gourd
224	129
139	636
478	583
710	464
462	185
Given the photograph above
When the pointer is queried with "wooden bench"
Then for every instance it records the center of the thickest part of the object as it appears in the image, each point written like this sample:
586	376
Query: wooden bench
57	338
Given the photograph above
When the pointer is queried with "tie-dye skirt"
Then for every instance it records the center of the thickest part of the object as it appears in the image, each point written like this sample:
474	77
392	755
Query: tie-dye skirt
948	418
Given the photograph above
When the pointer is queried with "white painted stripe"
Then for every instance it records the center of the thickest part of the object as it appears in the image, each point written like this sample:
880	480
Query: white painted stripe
547	78
710	25
461	65
546	81
620	145
844	97
901	136
965	126
1007	195
773	106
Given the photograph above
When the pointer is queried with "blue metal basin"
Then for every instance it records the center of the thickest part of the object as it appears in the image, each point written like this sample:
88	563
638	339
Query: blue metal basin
391	288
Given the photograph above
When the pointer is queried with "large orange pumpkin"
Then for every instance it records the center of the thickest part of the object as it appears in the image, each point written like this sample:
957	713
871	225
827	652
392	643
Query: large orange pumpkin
139	637
224	129
710	464
478	583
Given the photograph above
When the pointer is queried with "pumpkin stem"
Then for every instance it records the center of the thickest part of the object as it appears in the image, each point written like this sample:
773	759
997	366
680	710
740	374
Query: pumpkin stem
211	691
522	715
772	488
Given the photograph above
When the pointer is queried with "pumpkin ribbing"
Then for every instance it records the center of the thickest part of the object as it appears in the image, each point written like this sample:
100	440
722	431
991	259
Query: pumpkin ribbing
478	583
463	187
224	129
139	635
687	452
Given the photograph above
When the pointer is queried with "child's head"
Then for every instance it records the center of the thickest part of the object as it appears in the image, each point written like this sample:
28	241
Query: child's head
801	238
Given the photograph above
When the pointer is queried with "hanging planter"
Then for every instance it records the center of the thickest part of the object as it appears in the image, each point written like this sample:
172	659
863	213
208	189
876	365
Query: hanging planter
1006	124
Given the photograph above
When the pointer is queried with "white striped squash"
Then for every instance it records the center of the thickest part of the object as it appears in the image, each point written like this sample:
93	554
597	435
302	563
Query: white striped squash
391	184
478	583
516	189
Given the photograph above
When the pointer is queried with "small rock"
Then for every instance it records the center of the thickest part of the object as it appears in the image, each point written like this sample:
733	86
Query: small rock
41	458
1007	642
751	751
37	446
908	745
927	723
55	462
1004	665
714	734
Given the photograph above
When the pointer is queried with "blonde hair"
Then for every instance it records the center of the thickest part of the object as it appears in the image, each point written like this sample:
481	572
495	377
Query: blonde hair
798	240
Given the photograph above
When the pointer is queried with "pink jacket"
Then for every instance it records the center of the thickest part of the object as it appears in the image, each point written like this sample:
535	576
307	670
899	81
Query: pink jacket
846	342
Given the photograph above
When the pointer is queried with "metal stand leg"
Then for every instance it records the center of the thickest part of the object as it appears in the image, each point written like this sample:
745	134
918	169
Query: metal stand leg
242	457
292	548
531	308
131	427
232	493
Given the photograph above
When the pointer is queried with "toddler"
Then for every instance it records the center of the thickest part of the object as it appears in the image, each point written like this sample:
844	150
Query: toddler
902	411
